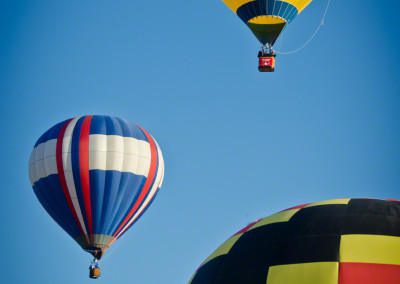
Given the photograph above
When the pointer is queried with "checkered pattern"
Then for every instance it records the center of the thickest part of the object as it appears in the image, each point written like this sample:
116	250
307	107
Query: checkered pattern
339	241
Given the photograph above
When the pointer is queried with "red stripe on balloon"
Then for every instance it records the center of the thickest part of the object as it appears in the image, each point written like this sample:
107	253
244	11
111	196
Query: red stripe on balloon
245	229
61	175
368	273
158	186
84	169
148	183
296	207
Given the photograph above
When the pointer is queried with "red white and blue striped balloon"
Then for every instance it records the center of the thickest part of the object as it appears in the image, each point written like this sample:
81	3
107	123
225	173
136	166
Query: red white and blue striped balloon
96	175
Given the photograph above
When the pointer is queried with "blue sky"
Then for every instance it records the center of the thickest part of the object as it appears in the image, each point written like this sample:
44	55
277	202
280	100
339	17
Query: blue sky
238	144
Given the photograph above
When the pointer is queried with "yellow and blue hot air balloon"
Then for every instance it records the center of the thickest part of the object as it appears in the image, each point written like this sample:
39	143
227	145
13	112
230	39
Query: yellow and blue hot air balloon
267	19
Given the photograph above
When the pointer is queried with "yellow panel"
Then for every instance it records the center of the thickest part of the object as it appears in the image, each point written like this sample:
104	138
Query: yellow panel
283	216
304	273
370	249
224	248
332	201
299	4
267	20
235	4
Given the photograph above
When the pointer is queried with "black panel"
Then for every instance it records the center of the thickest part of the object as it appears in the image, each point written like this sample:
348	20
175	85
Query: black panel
255	275
317	220
373	207
308	249
372	225
208	272
372	217
252	254
259	248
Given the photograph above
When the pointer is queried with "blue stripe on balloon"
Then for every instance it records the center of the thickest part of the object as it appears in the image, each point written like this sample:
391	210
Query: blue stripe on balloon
293	14
268	7
116	225
131	130
129	189
76	168
112	181
250	10
100	124
52	133
97	185
97	126
54	202
153	197
108	125
133	203
287	11
117	192
254	9
130	196
112	192
112	127
277	8
118	186
283	10
125	127
144	211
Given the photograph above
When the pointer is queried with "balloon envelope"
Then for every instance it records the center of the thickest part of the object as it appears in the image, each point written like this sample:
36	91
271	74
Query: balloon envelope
95	176
267	18
341	241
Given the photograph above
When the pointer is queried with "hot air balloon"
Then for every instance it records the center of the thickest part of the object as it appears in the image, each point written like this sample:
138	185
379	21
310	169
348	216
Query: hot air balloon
267	19
95	176
341	241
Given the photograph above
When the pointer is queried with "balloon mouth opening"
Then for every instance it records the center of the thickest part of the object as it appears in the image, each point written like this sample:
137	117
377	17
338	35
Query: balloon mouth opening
266	33
96	251
95	244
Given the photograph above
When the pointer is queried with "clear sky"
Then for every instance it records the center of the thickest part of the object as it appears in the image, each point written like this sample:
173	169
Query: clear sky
238	144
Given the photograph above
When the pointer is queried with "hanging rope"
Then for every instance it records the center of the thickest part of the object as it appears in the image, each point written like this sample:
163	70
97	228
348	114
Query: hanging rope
312	37
111	250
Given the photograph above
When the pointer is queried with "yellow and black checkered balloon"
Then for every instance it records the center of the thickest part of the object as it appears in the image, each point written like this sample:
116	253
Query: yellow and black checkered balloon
340	241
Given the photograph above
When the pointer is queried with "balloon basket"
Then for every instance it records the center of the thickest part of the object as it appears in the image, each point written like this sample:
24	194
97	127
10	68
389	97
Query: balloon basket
266	64
94	273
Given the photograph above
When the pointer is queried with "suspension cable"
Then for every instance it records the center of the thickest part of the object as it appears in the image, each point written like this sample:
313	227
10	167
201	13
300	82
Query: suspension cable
111	249
312	37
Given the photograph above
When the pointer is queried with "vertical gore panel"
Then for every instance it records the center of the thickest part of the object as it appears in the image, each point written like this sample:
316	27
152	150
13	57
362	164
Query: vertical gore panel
75	148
